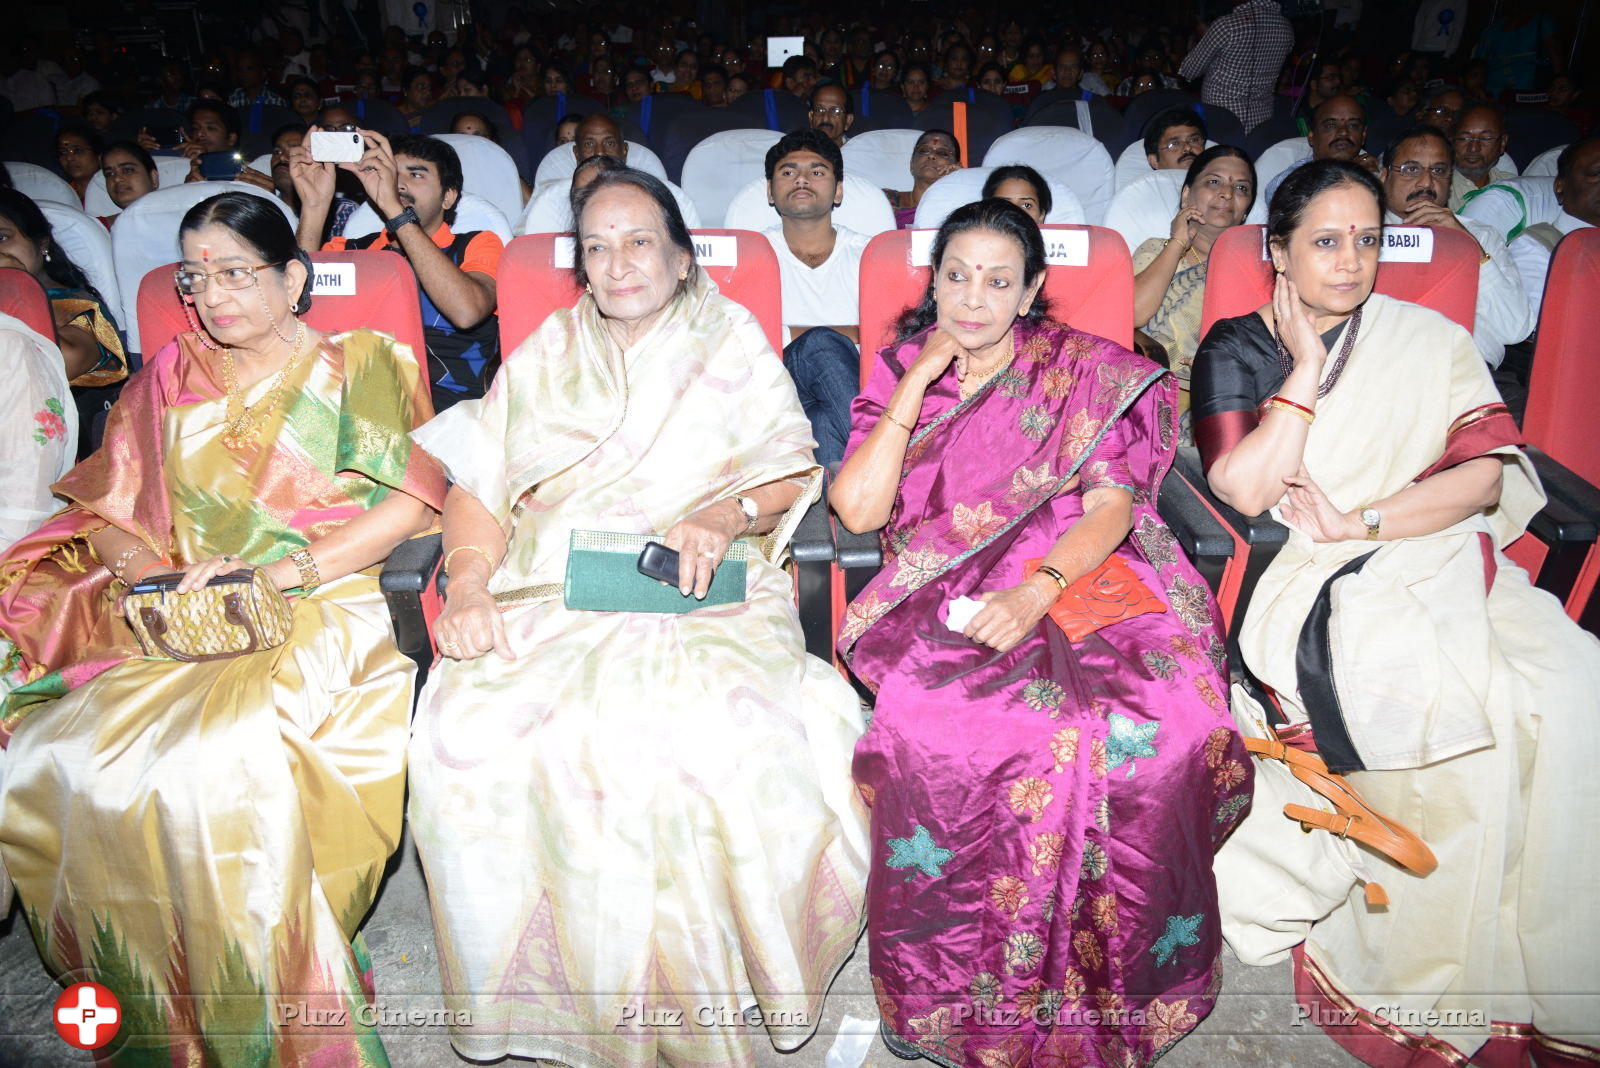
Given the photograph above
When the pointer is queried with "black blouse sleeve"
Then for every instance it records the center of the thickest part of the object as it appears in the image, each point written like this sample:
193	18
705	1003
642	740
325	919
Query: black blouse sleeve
1235	370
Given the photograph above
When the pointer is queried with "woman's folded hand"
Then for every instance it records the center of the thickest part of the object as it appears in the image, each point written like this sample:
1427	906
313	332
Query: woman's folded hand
470	624
198	574
1009	615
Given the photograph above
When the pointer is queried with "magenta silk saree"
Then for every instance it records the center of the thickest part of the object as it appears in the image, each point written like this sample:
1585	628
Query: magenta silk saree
1043	820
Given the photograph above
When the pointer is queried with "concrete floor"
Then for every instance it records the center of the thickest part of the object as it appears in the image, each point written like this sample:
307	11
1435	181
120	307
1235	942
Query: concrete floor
1253	1025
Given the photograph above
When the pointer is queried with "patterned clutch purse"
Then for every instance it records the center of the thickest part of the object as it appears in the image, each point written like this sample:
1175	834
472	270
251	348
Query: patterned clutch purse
1108	594
603	576
229	616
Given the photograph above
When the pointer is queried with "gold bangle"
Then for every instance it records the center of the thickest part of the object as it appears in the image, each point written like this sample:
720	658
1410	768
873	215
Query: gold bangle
306	564
1046	569
1292	408
486	557
890	416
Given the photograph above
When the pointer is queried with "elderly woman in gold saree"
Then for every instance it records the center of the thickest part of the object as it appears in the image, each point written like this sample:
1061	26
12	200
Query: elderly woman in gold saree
204	837
1403	645
635	826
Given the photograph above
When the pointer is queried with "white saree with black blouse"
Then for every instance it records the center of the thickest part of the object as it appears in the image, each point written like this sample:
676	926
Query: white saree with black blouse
1461	700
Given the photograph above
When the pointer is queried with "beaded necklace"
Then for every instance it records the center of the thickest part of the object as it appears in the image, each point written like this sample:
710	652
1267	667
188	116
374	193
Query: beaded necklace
1286	361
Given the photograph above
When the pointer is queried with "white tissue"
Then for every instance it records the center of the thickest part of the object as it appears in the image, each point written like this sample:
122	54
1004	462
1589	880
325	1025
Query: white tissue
960	613
851	1046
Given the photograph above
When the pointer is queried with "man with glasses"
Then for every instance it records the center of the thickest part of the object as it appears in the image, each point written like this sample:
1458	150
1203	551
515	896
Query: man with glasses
831	113
1417	166
1173	138
414	184
1443	109
1479	142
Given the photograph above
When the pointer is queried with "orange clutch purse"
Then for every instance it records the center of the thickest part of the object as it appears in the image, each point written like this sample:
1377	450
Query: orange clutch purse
1108	594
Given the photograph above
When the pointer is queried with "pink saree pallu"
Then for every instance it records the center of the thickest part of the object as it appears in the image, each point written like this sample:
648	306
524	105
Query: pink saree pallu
1043	820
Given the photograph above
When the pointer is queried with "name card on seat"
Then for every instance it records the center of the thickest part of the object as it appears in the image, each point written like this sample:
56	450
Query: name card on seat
1406	244
1062	248
710	250
334	280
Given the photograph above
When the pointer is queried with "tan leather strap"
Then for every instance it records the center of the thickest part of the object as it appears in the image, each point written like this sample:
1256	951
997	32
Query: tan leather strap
1353	817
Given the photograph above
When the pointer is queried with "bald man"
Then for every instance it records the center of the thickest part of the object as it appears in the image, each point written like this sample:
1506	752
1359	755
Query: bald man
1337	131
1479	141
599	135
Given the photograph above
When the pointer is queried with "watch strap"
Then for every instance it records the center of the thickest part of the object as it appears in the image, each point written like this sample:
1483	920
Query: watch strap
407	215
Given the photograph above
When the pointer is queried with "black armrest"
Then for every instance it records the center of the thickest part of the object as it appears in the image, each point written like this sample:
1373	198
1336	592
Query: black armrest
1261	533
404	575
811	549
1568	525
1206	542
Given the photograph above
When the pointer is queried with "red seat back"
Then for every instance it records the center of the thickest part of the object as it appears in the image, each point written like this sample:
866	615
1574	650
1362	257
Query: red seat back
1239	275
1093	292
536	278
353	290
1564	391
22	296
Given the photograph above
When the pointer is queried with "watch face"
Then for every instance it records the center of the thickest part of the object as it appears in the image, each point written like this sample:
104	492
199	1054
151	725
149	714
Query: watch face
1370	516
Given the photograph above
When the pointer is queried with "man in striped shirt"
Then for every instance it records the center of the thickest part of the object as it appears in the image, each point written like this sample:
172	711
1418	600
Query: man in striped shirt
1239	57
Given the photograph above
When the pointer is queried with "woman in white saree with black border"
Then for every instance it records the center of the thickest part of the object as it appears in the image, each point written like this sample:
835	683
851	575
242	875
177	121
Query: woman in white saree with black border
1393	631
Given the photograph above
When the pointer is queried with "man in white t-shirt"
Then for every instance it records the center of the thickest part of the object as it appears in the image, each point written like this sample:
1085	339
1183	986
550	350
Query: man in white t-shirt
820	264
1578	193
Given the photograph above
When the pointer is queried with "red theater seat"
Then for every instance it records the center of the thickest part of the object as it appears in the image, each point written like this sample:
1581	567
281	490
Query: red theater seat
23	297
353	290
536	279
1093	292
1239	275
1564	395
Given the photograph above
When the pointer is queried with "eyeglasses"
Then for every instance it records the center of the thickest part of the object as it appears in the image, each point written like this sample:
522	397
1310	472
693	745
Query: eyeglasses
1192	141
834	111
1414	170
72	150
229	278
1476	139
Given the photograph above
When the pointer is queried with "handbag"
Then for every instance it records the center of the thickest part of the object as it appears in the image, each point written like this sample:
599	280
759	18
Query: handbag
233	614
603	576
1108	594
1293	859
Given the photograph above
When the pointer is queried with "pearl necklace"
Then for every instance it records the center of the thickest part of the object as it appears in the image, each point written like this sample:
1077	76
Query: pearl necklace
244	421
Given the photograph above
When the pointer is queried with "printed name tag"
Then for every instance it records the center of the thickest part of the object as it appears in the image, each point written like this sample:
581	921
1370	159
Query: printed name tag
1062	248
334	280
710	250
1406	244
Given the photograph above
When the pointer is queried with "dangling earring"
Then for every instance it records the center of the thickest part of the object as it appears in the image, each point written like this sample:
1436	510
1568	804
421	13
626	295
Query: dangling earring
286	340
194	324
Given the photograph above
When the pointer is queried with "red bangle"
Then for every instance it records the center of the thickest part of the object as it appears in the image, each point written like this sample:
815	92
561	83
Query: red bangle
147	567
1281	399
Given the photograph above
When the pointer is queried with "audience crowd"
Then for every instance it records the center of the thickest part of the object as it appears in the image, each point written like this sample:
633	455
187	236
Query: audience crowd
581	776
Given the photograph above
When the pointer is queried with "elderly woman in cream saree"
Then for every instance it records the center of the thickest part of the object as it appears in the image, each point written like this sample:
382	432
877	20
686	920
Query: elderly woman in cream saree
1408	650
634	826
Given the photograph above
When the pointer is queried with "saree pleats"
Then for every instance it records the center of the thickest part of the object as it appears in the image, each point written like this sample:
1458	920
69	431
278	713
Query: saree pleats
205	838
642	825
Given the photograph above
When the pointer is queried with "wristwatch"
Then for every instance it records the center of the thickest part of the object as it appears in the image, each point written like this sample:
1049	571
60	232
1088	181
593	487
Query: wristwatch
1371	517
751	510
407	214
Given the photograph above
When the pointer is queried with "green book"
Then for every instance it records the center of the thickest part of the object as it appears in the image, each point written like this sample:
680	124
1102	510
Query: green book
603	576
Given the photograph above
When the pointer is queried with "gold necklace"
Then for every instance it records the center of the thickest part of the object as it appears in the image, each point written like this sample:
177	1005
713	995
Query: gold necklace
974	382
245	420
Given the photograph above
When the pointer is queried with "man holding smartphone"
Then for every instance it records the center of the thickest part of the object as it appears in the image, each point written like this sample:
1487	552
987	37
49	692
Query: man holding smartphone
413	184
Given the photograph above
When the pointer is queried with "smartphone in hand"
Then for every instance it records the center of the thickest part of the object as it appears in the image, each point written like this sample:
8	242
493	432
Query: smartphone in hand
221	166
660	563
336	146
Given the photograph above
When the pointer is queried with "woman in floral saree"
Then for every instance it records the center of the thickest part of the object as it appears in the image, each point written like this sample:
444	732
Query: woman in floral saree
1400	642
1044	811
204	838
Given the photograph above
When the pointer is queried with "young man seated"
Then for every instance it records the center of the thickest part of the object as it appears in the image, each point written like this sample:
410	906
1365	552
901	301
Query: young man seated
414	184
819	264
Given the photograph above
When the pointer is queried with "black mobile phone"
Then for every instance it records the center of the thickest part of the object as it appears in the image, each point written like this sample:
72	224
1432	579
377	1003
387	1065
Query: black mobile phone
166	136
221	166
660	563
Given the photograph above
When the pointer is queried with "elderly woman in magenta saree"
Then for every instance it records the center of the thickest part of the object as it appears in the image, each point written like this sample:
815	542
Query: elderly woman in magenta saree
204	838
1044	817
